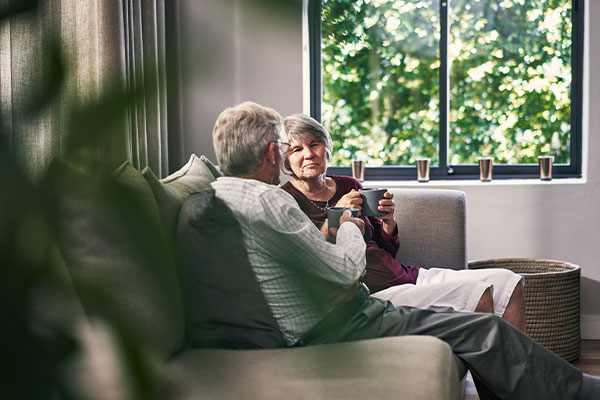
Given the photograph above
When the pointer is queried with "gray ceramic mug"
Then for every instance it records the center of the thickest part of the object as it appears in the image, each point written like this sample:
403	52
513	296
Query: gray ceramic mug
334	214
370	198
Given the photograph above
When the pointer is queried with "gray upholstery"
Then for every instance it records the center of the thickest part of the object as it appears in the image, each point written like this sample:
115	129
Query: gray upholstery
432	227
409	367
212	167
116	251
171	191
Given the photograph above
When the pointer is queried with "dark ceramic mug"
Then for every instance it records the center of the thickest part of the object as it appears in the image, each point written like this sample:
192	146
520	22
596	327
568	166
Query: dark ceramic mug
334	214
370	198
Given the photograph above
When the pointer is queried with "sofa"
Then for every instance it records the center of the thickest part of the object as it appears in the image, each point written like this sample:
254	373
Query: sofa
117	239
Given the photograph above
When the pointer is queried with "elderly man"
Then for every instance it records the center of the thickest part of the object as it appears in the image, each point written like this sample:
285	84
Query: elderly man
284	248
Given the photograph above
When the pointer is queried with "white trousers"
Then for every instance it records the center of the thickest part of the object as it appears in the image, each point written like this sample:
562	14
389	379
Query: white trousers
443	289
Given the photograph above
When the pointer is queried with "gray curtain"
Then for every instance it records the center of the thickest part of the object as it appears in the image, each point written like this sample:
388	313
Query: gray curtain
107	47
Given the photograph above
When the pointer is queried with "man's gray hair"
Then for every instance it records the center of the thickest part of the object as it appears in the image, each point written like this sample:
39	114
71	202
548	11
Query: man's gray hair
300	126
241	137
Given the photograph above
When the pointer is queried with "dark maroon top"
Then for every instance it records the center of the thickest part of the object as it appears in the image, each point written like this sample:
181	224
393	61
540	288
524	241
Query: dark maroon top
383	270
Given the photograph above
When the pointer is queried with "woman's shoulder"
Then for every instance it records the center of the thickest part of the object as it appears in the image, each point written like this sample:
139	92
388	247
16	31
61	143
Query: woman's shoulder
288	187
293	191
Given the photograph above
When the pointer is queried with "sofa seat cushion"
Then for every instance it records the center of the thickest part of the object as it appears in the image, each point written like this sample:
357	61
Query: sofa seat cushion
171	191
115	248
225	306
408	368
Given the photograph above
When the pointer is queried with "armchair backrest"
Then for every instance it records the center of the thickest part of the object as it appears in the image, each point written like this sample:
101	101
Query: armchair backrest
432	227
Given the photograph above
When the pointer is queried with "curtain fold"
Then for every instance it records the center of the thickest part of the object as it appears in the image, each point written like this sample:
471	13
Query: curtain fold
24	38
91	42
107	46
147	72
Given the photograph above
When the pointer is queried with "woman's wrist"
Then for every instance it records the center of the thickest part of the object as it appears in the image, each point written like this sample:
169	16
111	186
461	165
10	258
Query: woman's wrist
389	227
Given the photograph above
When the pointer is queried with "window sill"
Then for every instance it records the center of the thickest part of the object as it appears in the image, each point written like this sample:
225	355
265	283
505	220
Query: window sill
472	182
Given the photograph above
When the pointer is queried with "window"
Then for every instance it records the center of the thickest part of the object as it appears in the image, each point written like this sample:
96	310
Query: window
394	80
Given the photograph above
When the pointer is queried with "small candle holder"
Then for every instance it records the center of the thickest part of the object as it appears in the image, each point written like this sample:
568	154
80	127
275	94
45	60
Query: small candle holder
486	165
423	169
546	167
358	170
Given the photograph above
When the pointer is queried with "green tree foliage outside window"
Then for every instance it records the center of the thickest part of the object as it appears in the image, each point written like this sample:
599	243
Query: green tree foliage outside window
509	80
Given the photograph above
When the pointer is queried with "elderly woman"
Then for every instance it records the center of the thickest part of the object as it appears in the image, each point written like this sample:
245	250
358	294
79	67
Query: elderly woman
490	290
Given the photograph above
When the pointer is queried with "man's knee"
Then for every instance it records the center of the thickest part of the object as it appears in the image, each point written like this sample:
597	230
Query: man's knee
489	323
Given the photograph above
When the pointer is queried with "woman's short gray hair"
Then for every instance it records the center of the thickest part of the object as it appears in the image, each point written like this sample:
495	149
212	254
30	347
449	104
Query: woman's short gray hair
299	126
241	137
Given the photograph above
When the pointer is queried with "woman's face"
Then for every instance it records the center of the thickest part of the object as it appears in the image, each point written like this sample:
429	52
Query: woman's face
307	157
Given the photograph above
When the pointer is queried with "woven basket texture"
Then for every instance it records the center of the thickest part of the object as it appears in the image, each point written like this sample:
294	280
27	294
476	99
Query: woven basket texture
551	301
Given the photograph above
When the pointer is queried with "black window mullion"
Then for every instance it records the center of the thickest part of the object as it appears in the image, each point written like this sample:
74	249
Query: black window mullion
576	86
315	36
443	92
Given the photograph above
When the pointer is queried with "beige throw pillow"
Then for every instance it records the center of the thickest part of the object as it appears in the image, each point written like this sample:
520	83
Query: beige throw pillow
171	191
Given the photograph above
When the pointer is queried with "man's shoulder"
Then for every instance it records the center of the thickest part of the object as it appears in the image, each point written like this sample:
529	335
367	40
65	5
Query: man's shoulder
250	189
230	184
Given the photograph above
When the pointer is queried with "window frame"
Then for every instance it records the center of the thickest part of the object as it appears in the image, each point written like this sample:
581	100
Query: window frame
443	171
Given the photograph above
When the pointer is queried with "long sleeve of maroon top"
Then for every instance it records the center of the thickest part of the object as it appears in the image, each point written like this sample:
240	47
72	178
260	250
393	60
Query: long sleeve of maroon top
383	270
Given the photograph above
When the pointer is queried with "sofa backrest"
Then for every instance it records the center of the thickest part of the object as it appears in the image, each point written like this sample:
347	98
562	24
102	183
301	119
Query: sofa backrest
225	306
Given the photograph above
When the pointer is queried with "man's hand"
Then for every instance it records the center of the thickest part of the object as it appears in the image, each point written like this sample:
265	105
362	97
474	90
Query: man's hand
325	231
347	217
338	295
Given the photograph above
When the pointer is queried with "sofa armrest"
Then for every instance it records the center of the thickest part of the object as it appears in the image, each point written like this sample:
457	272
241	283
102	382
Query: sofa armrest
432	227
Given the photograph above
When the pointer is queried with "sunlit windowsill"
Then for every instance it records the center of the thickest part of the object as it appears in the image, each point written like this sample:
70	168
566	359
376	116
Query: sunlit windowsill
472	182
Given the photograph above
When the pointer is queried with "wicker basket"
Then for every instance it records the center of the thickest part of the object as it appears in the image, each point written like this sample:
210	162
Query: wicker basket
551	301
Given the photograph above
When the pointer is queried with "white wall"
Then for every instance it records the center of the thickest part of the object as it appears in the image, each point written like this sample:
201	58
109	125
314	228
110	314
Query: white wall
556	221
240	52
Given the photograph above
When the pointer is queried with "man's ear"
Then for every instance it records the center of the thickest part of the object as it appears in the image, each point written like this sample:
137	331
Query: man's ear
271	153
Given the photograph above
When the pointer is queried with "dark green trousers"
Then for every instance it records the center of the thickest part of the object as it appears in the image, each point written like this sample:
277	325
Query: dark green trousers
507	363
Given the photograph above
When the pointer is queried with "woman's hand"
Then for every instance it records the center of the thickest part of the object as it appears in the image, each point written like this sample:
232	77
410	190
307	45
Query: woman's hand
351	199
387	204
